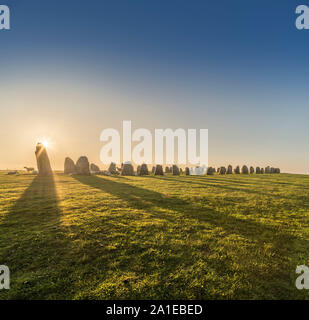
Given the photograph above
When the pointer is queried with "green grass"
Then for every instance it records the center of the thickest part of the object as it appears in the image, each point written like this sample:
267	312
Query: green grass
198	237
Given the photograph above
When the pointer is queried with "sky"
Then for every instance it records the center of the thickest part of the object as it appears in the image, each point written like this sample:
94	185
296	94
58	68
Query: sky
70	69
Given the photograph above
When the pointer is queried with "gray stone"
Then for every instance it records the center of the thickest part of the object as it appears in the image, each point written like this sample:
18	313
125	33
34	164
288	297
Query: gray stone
175	171
69	166
267	169
94	168
229	170
187	171
82	166
127	169
258	170
159	170
44	168
138	170
244	170
112	169
251	170
144	170
222	170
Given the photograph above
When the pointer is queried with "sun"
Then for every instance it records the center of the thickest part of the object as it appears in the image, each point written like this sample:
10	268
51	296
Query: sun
45	143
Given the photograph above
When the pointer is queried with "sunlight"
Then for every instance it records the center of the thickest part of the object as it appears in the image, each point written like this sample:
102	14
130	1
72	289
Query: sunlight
45	143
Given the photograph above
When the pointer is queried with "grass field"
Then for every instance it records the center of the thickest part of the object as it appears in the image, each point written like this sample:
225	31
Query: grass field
187	237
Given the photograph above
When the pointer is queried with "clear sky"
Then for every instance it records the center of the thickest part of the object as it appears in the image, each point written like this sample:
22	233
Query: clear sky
69	69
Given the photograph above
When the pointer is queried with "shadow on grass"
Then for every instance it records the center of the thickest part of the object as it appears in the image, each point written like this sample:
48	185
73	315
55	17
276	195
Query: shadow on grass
281	245
222	184
32	241
144	199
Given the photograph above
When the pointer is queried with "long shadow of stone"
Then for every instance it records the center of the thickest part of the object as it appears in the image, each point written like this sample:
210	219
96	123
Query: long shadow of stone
216	184
32	241
156	205
142	198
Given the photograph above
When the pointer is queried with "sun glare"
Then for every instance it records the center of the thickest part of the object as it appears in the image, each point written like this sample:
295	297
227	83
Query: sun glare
45	143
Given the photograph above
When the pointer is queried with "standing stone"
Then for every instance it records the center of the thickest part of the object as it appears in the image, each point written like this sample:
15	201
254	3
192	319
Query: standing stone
144	170
277	170
222	170
158	170
112	169
138	170
94	168
175	170
251	170
272	170
167	170
187	171
82	166
69	166
153	170
127	169
258	170
244	170
262	170
181	171
218	169
229	170
210	171
267	169
237	170
44	168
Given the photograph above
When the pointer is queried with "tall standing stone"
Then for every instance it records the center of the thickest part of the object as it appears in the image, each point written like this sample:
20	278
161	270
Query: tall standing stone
127	169
258	170
144	170
222	170
229	170
211	171
175	170
262	171
138	170
112	169
44	168
187	171
159	170
69	166
251	170
82	166
237	170
244	170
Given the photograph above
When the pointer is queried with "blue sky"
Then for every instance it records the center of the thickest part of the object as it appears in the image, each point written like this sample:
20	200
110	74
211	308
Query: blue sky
238	68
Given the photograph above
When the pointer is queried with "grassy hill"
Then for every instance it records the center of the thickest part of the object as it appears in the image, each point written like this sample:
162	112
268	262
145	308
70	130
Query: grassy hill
198	237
